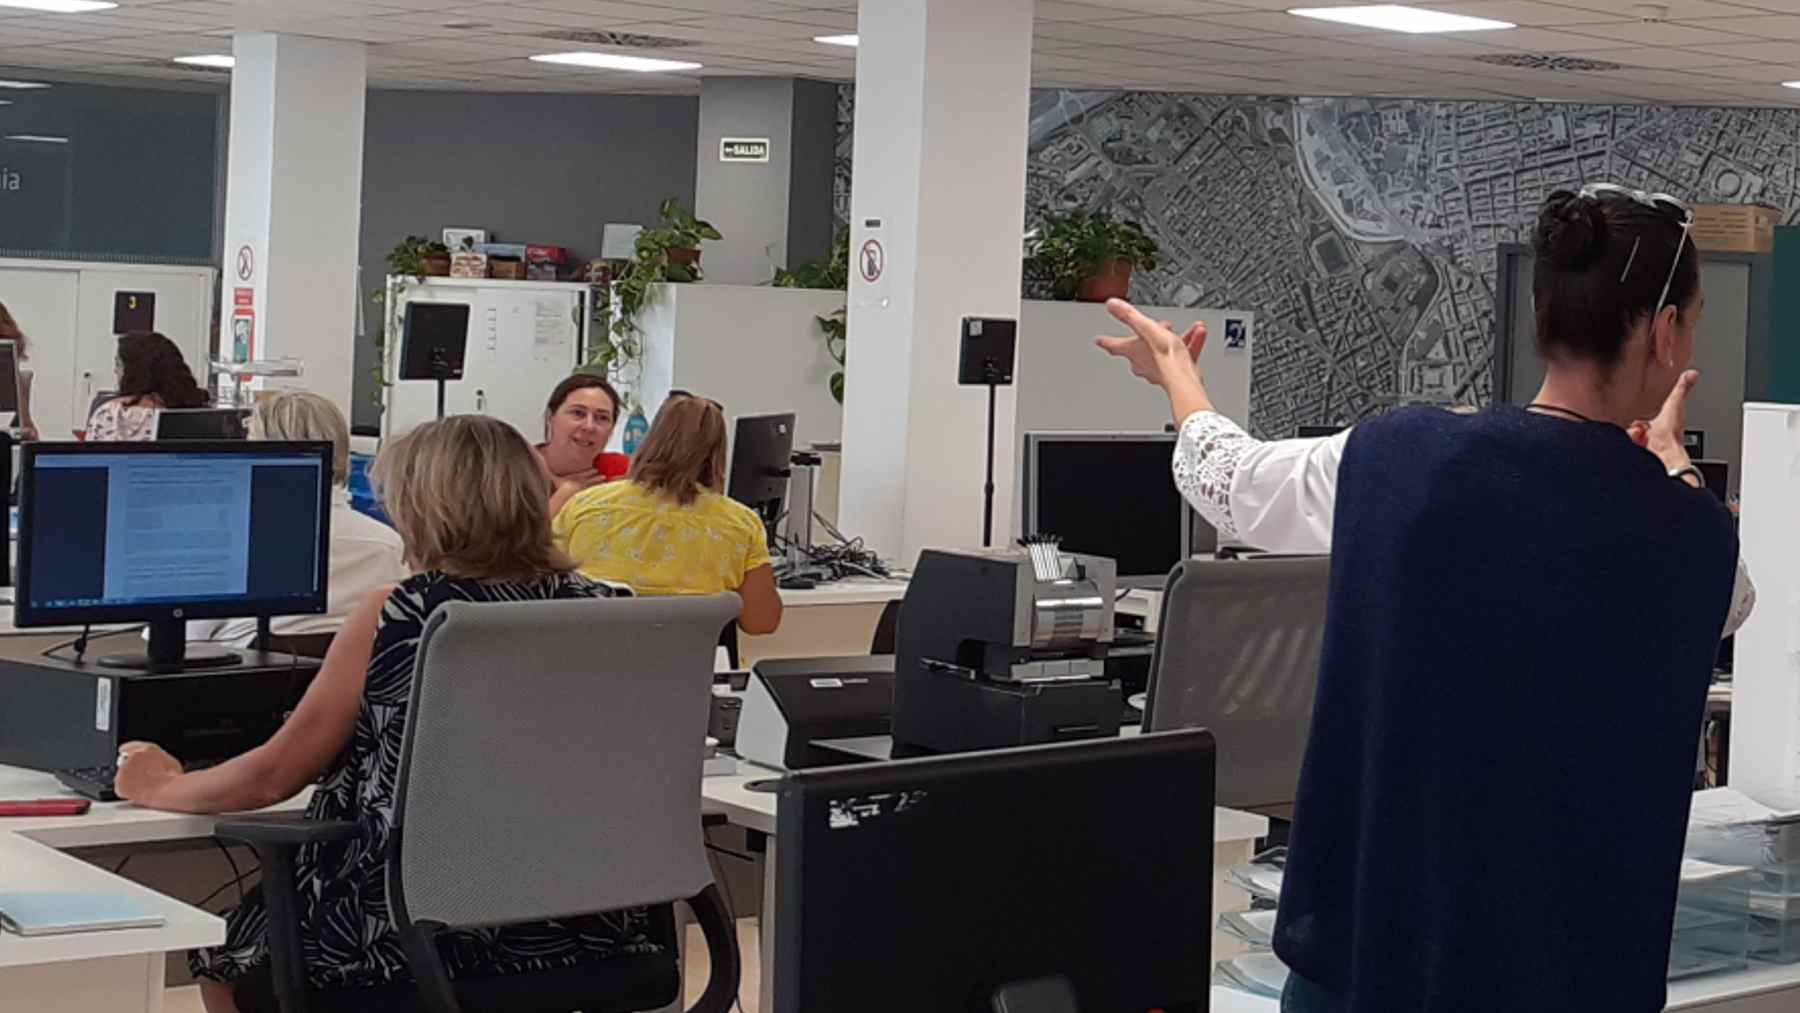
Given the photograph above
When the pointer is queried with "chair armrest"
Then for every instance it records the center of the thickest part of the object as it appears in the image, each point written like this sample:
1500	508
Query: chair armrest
277	841
284	830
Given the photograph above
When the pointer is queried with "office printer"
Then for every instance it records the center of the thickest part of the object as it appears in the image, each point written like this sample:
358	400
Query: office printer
790	704
1005	648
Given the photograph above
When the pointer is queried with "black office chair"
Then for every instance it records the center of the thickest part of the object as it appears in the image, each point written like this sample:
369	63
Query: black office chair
545	834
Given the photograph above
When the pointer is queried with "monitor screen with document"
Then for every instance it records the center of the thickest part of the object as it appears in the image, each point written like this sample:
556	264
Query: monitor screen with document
161	533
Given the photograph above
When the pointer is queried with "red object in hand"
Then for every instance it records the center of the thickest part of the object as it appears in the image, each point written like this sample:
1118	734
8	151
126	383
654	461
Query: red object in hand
612	467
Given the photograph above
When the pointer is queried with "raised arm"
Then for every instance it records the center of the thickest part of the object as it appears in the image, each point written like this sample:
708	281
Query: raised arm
1269	495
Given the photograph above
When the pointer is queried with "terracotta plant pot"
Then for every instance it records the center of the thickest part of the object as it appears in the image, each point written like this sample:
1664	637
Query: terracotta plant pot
686	258
435	265
1111	281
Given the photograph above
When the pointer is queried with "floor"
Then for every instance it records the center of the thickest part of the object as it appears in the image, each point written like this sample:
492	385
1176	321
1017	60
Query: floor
187	1000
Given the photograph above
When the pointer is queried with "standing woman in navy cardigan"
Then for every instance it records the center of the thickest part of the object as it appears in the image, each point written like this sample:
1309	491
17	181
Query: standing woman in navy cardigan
1525	606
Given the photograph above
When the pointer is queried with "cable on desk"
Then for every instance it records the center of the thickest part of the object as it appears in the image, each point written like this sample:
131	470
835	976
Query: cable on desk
81	643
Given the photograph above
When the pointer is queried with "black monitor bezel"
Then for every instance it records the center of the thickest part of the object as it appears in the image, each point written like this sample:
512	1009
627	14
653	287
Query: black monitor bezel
26	615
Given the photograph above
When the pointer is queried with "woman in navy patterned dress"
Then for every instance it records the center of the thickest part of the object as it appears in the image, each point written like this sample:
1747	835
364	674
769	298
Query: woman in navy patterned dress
467	496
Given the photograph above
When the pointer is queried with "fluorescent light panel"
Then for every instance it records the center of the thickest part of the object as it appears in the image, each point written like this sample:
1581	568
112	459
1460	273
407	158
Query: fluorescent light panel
1790	84
837	40
37	138
218	60
22	85
1397	18
614	61
60	6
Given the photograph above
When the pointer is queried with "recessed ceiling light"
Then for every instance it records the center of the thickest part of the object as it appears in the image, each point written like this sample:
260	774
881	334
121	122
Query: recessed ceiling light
837	40
22	85
1397	18
37	138
60	6
614	61
218	60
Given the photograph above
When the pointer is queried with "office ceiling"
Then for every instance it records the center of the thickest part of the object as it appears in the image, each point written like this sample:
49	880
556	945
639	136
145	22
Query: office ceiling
1703	52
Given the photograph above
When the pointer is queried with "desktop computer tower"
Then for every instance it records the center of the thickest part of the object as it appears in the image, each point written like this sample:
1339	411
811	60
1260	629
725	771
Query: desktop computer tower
58	714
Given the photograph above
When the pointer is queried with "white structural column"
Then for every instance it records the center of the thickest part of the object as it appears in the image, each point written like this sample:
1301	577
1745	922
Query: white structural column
943	92
293	206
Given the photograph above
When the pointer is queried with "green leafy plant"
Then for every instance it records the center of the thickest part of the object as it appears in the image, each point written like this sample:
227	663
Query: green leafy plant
409	255
661	255
831	273
1070	249
836	328
405	260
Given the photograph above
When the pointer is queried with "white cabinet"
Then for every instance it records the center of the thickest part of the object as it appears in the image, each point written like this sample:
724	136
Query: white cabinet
524	338
65	309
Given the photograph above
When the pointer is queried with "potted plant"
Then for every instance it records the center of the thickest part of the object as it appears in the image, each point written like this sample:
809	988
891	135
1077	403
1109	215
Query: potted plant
1091	256
669	252
678	241
420	258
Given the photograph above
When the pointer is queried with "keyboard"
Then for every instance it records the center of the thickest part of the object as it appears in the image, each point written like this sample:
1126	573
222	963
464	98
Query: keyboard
91	782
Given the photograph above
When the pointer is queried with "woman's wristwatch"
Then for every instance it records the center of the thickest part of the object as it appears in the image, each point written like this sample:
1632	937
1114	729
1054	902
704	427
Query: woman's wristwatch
1681	475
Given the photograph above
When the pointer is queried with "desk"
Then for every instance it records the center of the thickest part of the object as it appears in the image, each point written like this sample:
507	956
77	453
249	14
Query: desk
1234	837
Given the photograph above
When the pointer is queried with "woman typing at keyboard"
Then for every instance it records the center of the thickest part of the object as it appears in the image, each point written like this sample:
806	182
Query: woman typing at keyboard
467	495
1525	606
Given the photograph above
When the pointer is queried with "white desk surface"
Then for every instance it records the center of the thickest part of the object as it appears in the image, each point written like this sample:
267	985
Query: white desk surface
755	810
107	823
28	865
856	591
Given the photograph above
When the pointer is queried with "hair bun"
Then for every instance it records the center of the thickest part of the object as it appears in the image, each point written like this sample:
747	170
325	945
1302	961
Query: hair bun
1571	231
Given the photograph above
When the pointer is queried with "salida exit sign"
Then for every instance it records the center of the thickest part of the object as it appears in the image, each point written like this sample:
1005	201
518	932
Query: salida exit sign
744	149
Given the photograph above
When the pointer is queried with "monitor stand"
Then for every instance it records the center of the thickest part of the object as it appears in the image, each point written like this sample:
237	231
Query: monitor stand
168	652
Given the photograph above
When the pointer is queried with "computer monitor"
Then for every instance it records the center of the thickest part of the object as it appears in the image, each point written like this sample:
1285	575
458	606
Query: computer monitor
1111	495
161	533
760	453
200	424
932	884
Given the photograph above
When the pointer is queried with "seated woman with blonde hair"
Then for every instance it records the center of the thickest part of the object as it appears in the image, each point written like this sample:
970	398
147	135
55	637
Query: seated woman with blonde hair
668	528
467	495
365	553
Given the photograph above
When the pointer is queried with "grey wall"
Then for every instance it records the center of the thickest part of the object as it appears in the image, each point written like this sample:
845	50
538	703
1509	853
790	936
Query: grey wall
136	180
552	169
747	201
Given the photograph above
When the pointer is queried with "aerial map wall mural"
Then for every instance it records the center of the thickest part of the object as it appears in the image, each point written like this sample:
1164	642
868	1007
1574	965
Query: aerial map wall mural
1363	231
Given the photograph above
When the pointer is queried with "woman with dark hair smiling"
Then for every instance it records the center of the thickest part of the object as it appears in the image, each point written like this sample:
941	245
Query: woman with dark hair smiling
578	424
1525	606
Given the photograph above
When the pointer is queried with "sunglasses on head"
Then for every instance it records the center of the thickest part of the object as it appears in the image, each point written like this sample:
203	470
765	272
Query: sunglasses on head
1662	202
696	397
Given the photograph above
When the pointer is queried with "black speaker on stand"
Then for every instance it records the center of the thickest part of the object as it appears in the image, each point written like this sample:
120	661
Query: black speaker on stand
433	342
988	349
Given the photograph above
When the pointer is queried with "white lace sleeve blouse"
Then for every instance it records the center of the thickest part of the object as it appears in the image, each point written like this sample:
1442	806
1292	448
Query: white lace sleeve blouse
1280	495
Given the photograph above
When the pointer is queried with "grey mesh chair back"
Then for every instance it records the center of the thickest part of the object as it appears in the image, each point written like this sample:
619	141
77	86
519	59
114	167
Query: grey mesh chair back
1237	652
553	758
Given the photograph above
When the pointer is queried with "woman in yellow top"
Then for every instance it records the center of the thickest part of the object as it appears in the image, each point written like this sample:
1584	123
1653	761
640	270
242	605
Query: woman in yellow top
668	529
